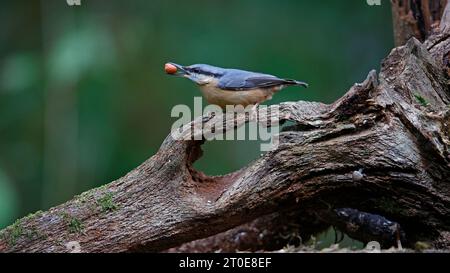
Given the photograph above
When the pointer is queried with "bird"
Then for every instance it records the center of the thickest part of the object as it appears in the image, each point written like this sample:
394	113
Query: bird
225	86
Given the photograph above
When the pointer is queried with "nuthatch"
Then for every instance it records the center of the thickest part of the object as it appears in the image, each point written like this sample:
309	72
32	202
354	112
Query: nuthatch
222	87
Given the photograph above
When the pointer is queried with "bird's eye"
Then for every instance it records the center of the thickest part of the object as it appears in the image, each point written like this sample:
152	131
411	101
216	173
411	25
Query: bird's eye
196	70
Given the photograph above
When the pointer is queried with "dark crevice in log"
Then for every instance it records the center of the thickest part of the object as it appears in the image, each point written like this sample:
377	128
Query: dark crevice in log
267	233
446	62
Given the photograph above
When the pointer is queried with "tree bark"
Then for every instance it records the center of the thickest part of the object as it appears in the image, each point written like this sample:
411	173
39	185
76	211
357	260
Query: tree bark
383	148
416	18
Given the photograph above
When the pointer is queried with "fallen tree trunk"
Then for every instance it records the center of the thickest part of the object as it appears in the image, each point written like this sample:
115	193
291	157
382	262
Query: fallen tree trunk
382	148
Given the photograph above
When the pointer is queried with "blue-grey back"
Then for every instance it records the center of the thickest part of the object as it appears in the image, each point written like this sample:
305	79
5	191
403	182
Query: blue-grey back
235	79
239	80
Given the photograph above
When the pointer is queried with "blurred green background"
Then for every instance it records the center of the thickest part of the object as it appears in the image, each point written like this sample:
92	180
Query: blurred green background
83	95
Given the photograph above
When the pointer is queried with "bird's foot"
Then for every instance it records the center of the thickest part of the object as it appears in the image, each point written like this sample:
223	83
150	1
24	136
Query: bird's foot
208	116
254	112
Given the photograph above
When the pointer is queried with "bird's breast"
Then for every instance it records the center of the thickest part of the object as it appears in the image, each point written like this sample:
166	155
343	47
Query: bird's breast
222	98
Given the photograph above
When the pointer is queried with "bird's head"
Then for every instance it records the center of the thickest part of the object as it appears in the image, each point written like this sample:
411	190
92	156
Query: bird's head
199	73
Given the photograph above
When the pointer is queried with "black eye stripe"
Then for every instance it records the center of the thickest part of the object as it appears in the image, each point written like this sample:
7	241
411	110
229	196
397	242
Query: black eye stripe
194	70
206	73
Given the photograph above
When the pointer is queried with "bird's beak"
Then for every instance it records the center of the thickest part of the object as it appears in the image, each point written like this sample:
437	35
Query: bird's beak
176	70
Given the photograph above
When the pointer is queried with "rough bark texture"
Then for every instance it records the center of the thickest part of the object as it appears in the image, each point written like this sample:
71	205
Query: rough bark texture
416	18
382	149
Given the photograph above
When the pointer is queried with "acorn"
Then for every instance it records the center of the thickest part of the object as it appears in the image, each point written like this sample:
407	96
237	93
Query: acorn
170	68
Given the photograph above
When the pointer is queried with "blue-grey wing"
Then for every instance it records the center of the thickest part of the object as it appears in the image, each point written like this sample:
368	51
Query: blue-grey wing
239	81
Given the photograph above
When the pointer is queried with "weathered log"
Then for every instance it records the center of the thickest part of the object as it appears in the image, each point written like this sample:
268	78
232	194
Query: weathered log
383	148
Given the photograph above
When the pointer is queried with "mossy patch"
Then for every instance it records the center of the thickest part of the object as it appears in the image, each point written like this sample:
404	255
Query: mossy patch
83	198
13	232
107	203
36	214
421	100
74	224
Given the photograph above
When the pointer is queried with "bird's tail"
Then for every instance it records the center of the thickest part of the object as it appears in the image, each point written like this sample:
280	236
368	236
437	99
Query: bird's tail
296	83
